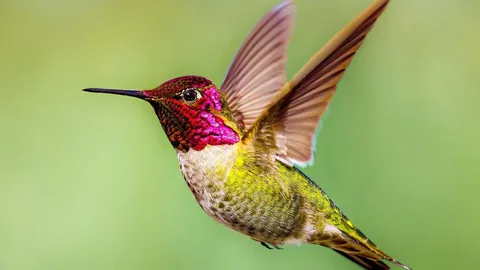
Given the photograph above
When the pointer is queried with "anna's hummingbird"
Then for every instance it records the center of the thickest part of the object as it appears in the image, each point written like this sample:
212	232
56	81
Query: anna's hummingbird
238	145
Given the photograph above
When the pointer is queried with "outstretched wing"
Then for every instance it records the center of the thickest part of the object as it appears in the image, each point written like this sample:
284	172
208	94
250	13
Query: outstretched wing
258	70
289	124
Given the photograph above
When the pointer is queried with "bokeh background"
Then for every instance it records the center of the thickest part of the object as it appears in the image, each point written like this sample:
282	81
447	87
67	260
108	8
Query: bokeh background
91	182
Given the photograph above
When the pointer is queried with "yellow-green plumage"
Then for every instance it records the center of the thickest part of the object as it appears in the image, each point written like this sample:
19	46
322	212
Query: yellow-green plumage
270	202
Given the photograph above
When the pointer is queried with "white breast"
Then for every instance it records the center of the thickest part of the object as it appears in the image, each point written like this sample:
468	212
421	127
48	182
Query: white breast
205	171
199	166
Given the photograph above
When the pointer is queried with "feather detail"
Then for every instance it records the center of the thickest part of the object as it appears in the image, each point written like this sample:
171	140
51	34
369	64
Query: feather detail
364	262
297	108
258	70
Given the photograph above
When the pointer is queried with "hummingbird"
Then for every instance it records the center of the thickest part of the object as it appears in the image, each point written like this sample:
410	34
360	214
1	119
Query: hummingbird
240	145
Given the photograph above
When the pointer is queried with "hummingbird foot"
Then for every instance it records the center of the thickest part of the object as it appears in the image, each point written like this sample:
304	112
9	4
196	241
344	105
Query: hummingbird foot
266	245
270	246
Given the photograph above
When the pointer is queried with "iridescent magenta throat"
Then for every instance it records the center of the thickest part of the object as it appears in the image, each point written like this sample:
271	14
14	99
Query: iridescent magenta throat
208	129
195	127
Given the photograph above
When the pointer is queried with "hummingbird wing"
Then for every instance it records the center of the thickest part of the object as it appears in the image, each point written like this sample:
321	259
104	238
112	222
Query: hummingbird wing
288	125
258	70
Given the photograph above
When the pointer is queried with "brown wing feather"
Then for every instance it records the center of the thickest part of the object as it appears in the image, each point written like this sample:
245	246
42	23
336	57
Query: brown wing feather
258	70
298	107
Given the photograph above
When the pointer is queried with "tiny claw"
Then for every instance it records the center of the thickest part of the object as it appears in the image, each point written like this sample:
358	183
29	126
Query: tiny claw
265	245
277	247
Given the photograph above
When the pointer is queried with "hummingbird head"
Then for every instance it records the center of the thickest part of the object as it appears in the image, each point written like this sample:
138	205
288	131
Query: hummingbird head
192	112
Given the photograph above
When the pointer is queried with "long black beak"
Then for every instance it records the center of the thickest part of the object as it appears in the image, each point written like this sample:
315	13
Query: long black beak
131	93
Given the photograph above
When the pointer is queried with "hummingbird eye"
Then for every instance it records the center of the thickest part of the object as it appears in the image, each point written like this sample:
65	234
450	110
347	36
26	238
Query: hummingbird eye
190	95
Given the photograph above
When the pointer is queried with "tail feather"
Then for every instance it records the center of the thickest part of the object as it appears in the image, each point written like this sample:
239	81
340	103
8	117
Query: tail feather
366	263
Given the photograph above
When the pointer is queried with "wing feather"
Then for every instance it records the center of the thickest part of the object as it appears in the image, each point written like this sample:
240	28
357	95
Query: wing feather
258	70
296	111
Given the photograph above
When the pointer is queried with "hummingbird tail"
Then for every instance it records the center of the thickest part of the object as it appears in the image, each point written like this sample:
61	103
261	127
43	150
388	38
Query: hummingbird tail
366	263
356	247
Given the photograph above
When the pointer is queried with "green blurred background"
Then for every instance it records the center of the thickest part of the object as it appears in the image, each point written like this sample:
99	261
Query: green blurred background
91	182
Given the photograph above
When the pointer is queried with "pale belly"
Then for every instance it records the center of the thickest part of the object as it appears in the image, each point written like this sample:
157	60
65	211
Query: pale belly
232	196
